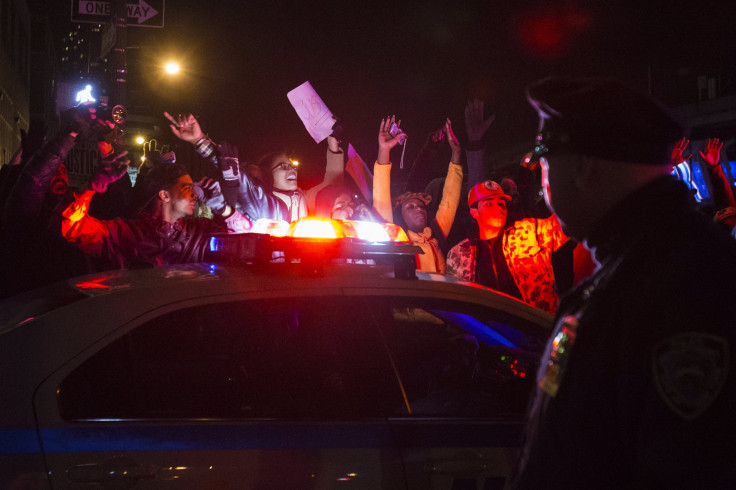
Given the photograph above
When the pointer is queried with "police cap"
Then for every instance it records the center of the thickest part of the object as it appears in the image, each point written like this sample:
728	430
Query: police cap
603	119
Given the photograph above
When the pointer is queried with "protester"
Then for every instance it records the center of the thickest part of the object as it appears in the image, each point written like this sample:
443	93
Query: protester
30	142
280	175
410	208
164	234
722	190
245	193
636	385
338	202
515	258
32	253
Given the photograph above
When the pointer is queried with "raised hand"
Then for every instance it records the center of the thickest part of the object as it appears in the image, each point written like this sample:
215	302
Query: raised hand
712	153
151	152
475	125
678	152
333	144
186	128
452	141
111	169
386	141
84	118
208	191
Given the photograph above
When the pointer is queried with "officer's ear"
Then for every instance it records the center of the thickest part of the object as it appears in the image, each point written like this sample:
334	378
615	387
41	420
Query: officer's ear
474	212
164	195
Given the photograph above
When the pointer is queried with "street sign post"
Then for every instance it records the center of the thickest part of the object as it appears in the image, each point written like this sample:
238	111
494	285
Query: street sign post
107	38
141	13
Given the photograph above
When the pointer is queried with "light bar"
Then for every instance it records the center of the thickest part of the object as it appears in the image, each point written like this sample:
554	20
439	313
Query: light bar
318	241
318	228
367	230
273	227
331	229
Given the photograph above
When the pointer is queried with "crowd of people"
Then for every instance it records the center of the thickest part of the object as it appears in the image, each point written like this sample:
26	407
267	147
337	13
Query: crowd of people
501	235
626	336
55	232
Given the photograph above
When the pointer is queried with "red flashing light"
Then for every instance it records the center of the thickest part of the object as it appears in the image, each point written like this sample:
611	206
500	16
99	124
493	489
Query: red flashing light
331	229
318	228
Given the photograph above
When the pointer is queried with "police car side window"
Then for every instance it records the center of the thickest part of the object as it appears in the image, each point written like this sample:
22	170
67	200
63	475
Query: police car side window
458	360
291	358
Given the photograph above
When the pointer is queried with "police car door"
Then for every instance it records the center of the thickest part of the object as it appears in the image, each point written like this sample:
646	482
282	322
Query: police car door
463	370
272	391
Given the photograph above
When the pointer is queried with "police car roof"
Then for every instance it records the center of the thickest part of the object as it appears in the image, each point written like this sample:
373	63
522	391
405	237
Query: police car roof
130	291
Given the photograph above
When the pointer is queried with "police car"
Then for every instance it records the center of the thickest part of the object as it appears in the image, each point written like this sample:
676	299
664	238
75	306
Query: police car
318	367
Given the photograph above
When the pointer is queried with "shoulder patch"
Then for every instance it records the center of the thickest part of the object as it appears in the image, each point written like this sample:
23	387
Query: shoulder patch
689	371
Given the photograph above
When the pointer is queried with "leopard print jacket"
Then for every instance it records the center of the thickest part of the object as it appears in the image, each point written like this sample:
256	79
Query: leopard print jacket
527	245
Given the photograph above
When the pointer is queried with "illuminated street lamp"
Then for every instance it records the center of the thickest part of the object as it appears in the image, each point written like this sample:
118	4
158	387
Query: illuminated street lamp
172	68
140	140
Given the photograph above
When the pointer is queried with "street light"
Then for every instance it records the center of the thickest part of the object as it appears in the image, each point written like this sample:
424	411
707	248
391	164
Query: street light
172	67
140	140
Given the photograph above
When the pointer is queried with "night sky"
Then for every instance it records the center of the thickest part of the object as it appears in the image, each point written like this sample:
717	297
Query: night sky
418	60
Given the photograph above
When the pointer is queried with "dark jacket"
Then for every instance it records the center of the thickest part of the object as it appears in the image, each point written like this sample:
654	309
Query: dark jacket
248	196
148	241
637	386
32	252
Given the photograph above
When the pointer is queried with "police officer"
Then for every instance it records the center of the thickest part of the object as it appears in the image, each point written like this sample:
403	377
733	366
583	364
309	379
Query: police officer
636	388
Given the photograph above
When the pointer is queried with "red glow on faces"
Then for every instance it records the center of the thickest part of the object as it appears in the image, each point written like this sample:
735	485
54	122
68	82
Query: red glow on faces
60	181
551	34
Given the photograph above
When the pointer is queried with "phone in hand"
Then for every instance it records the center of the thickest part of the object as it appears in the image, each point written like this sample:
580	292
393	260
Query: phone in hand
395	130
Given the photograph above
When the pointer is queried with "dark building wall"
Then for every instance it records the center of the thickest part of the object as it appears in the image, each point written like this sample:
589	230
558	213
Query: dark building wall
15	29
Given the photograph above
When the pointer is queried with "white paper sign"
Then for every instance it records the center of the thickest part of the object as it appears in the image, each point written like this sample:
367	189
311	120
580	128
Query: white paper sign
315	115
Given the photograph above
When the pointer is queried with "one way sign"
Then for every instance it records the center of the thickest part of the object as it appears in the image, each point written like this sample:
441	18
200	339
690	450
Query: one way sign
142	13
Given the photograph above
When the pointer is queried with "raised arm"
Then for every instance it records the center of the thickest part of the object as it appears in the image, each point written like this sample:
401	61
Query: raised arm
27	196
245	194
382	169
87	233
722	190
334	171
453	184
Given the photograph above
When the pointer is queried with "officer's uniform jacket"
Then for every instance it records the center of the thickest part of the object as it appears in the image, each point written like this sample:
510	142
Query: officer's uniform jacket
636	388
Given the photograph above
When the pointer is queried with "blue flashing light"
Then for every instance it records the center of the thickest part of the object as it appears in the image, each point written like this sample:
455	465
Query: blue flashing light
730	168
215	244
692	176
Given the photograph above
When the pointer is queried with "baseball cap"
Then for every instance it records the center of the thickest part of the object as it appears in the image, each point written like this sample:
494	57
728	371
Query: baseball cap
486	189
